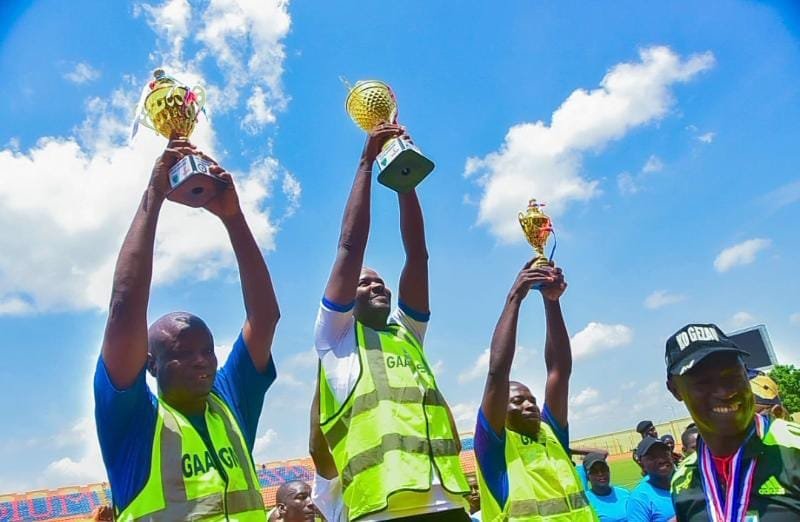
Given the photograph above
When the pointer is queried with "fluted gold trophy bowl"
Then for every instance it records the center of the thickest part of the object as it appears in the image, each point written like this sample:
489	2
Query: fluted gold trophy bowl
402	165
171	108
537	227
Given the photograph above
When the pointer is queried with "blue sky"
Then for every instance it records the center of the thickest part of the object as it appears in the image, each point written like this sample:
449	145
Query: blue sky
663	138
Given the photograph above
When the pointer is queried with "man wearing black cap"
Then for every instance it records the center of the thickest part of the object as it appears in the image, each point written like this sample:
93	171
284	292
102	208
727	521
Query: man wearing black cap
608	501
646	429
767	395
746	467
669	440
650	501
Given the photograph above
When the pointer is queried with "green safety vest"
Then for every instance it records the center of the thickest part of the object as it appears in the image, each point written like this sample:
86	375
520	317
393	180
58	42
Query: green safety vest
775	494
542	483
393	427
184	483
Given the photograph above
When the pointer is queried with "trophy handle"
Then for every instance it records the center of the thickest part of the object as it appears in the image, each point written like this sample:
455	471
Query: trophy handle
200	94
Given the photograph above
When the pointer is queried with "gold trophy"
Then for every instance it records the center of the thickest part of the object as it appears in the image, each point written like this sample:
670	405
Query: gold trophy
171	109
537	227
401	163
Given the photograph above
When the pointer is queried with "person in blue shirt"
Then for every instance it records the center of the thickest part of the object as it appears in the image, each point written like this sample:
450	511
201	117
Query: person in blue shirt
178	350
651	501
609	502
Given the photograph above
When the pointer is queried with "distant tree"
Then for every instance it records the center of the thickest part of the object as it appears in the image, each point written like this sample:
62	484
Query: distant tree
788	379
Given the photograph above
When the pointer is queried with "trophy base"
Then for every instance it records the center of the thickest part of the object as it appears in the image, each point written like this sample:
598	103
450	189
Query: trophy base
192	184
402	165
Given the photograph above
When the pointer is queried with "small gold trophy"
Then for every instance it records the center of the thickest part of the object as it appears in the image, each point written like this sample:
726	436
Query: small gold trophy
537	227
171	109
401	163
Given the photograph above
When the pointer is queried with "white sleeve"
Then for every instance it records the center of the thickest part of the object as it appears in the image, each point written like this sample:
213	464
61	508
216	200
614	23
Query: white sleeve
415	326
327	497
331	326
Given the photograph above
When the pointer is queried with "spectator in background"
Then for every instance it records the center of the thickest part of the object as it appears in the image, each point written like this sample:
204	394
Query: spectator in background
474	498
767	395
669	440
294	502
326	493
645	428
651	501
689	440
609	502
103	514
584	452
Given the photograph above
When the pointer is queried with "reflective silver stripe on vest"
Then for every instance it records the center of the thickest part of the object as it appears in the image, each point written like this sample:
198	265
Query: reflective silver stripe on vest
178	506
547	508
393	442
383	390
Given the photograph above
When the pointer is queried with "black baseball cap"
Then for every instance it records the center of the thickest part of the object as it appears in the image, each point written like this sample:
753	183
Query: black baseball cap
592	459
644	426
646	445
693	343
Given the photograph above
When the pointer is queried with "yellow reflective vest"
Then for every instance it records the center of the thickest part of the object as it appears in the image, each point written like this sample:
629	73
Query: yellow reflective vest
542	483
393	428
184	482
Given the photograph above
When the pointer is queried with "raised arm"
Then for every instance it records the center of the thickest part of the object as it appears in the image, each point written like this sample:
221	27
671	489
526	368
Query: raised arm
124	349
414	278
260	303
342	283
557	351
504	343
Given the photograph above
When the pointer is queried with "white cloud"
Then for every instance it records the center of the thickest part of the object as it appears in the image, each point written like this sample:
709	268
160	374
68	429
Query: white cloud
585	396
465	414
784	195
259	112
707	137
653	164
292	190
82	73
795	318
740	319
661	298
477	370
438	368
627	183
262	446
84	469
599	337
743	253
523	359
12	305
545	161
170	21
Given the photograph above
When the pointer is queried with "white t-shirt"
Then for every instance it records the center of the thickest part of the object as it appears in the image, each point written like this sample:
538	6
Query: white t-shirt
335	342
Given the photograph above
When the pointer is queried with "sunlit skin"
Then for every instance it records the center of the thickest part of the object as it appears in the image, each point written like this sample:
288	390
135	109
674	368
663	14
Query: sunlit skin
181	358
373	300
689	443
657	463
717	394
294	502
522	414
599	476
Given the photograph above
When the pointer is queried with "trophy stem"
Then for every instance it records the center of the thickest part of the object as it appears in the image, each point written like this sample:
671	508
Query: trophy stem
540	262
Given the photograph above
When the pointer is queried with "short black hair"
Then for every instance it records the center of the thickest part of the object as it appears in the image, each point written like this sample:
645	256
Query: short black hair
688	432
282	496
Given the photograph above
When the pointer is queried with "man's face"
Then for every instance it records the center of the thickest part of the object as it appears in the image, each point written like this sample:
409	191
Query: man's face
186	365
657	462
691	444
474	495
298	507
670	444
717	394
599	475
522	415
372	296
651	432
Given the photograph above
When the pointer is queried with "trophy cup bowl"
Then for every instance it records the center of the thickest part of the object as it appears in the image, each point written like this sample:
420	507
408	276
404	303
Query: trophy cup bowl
536	226
402	165
171	109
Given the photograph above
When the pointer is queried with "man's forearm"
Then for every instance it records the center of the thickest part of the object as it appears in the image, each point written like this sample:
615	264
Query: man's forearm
125	340
557	354
504	340
412	226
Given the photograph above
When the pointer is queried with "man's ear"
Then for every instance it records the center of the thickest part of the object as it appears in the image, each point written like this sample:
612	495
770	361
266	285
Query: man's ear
673	389
151	364
281	510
